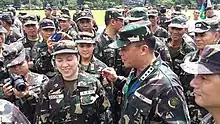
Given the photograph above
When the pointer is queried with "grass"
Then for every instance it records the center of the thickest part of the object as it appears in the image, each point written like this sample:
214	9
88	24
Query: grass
98	14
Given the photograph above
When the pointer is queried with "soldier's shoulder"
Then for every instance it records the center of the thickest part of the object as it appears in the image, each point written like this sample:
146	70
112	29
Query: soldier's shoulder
99	63
208	119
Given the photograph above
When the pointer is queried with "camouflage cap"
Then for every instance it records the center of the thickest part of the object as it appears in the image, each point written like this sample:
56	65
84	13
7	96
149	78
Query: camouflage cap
201	27
85	37
48	8
113	13
132	32
47	23
209	62
152	13
2	29
178	22
84	15
64	46
6	17
64	17
29	19
14	54
137	13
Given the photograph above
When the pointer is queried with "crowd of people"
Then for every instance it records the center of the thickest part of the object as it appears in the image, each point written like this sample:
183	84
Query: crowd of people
145	67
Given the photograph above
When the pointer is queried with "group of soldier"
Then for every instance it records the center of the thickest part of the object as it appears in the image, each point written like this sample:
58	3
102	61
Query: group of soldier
143	68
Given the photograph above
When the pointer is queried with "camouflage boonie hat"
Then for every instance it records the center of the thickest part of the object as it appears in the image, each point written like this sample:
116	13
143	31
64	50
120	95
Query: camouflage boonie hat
14	54
113	13
132	32
85	37
152	13
6	17
2	29
47	23
64	46
178	22
64	17
209	62
201	27
84	15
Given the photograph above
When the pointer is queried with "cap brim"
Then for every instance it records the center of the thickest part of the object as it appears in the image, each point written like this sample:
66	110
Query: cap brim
152	15
197	30
134	18
198	68
65	51
48	27
3	30
63	19
85	41
17	60
176	25
118	44
31	22
84	18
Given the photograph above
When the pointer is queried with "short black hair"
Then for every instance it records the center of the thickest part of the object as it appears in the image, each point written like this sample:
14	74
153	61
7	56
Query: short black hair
149	41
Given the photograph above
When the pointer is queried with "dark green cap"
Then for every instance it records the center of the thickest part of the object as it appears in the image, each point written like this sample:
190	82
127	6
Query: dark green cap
113	13
178	22
201	27
132	32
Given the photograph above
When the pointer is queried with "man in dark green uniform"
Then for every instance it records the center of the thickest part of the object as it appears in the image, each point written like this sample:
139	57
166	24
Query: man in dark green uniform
206	33
155	28
66	26
113	21
152	92
13	33
25	98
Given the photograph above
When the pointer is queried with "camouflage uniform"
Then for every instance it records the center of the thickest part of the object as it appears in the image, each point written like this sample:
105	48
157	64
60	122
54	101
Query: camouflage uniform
82	102
13	34
41	56
156	95
28	103
208	119
186	47
72	30
29	44
159	31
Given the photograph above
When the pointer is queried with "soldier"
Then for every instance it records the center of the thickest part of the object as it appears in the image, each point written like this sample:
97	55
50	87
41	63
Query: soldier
48	15
2	39
177	45
41	52
31	37
205	34
163	17
66	26
72	96
155	28
12	34
113	21
206	81
85	22
160	47
26	99
152	93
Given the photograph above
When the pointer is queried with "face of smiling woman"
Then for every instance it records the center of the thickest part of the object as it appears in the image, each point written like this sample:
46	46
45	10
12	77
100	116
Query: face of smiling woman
67	65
